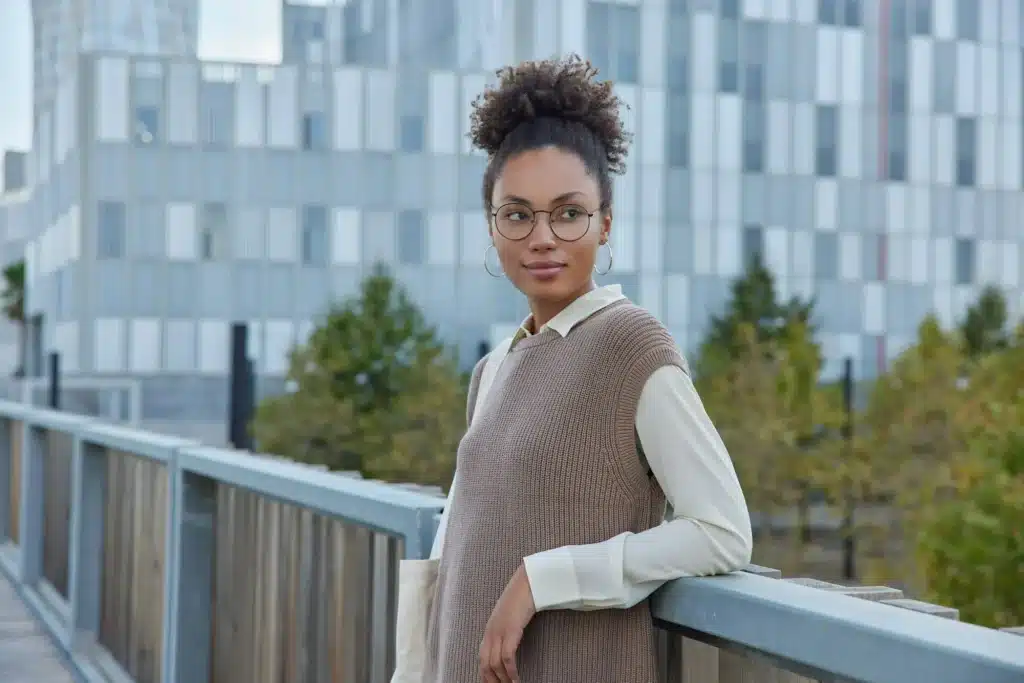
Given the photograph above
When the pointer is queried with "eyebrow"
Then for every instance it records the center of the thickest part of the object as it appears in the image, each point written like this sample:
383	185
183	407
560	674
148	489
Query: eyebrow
560	198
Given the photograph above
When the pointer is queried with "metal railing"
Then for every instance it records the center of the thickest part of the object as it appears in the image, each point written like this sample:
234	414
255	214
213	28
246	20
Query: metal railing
151	558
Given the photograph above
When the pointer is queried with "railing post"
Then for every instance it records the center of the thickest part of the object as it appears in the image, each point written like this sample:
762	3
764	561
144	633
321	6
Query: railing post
30	535
5	480
188	593
85	556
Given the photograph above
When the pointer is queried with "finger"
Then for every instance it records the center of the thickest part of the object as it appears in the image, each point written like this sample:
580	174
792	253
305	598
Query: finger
486	676
508	658
498	661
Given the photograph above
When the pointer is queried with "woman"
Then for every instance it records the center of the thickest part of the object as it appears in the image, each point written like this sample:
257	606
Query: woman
554	534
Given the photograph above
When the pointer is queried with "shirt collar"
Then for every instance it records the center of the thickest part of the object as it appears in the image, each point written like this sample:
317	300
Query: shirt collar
576	312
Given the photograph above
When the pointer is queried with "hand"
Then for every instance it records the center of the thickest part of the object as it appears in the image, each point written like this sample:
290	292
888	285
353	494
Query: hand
505	629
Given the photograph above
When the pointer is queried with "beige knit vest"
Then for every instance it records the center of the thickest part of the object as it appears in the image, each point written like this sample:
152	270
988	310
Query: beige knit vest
550	460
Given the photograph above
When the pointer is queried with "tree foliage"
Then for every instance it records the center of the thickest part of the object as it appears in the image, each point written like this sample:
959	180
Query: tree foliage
753	305
984	328
375	391
947	447
935	466
13	296
970	547
759	378
13	301
909	422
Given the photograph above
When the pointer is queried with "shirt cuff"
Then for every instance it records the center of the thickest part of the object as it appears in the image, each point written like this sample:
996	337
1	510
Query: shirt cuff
582	577
552	576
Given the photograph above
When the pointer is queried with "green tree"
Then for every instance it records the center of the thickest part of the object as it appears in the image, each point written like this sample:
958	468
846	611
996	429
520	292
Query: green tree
970	542
770	410
905	440
375	391
753	304
970	547
13	297
984	328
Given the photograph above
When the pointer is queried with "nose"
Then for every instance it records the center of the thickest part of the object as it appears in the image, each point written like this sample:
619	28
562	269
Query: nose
543	237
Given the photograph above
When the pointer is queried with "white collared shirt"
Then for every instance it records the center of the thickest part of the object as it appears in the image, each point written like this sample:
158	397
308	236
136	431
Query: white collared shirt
709	530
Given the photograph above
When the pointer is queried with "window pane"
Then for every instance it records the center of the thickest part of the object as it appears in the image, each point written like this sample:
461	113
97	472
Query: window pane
826	256
921	17
314	236
213	231
410	237
598	47
110	229
147	125
411	133
626	40
753	138
967	19
828	11
826	130
314	130
217	112
678	131
753	82
965	152
964	261
752	245
852	13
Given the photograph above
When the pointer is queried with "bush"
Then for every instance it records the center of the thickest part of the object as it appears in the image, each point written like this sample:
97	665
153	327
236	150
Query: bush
375	391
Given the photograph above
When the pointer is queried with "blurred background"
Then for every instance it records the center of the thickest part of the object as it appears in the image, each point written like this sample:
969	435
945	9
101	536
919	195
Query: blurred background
259	222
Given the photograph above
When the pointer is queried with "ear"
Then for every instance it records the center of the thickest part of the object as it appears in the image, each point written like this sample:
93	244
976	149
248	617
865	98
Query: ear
606	225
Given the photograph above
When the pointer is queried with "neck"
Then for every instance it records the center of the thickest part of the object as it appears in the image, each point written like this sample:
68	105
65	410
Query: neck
543	310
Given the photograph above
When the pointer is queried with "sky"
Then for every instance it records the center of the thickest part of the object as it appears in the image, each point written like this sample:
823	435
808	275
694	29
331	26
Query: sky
244	30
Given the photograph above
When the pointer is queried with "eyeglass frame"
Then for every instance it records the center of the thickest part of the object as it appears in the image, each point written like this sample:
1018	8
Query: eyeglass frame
590	216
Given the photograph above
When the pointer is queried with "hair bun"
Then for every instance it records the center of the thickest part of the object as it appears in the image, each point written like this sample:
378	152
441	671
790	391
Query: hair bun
562	88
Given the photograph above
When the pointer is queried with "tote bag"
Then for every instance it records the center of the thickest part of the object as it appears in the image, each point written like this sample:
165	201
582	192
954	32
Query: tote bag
417	579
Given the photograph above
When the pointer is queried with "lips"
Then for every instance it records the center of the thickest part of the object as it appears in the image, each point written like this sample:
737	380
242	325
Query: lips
544	270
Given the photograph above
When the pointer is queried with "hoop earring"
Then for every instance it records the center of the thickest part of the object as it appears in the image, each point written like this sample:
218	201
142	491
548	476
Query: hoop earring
487	266
611	260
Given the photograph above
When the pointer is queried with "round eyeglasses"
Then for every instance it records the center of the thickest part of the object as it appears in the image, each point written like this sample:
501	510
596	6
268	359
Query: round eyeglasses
515	222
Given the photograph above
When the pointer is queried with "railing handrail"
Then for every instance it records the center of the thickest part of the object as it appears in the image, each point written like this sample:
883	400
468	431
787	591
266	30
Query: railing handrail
377	505
789	623
806	629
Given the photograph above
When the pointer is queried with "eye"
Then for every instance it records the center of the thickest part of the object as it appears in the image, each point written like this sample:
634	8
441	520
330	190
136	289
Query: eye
515	214
571	213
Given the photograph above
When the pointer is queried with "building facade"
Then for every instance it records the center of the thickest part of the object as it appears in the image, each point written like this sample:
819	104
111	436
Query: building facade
429	34
871	150
64	29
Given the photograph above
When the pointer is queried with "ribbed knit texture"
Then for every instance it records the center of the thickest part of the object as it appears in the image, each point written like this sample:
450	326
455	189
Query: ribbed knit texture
550	460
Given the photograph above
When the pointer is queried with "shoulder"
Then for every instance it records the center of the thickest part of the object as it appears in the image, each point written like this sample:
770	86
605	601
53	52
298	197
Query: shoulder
631	332
492	356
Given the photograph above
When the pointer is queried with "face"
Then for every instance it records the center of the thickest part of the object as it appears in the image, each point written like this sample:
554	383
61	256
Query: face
553	263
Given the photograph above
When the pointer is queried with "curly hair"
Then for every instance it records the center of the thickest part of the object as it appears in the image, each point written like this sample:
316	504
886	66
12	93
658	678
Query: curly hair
554	102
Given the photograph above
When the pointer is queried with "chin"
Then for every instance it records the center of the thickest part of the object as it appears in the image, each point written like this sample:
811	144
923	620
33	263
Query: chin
556	289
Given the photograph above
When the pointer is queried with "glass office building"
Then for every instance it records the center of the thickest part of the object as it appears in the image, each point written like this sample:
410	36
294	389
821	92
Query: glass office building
871	150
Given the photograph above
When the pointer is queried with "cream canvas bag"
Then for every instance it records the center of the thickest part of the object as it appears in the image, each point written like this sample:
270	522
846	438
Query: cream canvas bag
417	579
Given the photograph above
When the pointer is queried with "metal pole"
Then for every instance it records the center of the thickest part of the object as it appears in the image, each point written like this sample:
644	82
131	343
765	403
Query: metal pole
54	401
849	545
239	389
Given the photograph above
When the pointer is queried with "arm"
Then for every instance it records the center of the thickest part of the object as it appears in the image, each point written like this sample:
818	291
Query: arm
709	532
